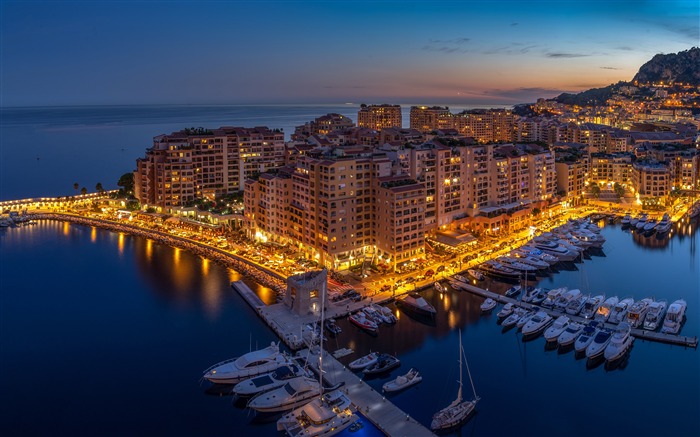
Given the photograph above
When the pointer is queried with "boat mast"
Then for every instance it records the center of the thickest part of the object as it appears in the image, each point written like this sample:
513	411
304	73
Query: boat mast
476	398
320	353
461	352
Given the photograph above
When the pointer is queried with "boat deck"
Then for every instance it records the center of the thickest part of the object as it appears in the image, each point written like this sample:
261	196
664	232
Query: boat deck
638	333
381	412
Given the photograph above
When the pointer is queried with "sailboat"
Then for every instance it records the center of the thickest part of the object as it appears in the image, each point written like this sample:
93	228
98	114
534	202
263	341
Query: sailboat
326	415
455	414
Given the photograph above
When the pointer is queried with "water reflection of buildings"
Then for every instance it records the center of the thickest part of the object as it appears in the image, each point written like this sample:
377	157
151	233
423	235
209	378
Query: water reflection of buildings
682	229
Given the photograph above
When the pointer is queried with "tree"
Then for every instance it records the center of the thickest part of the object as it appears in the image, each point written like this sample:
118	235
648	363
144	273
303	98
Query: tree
83	191
99	188
76	186
126	181
595	190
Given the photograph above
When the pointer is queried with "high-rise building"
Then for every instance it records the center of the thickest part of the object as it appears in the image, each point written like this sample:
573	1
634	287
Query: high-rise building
378	117
323	125
429	118
486	126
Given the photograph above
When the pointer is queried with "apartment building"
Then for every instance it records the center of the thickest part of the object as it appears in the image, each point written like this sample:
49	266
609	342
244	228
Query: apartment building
485	126
429	118
610	168
378	117
202	163
651	181
323	125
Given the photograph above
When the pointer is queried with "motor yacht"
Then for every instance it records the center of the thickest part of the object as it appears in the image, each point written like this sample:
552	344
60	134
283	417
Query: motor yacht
401	382
332	327
586	337
362	362
513	291
488	305
555	249
506	311
694	210
372	314
530	293
619	311
512	319
498	270
591	306
389	317
655	315
327	415
552	296
529	260
565	298
540	296
664	225
576	305
293	394
650	227
525	318
674	317
474	273
634	220
625	222
537	254
641	222
600	341
637	312
416	304
385	363
361	320
268	381
246	366
555	330
438	287
620	342
460	278
537	324
569	335
518	266
603	311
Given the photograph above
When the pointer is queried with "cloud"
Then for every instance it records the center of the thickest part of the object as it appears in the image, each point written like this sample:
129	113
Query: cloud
456	41
523	91
626	48
454	45
513	24
611	68
564	55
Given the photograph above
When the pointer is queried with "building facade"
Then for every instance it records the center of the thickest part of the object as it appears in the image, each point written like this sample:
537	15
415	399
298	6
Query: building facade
378	117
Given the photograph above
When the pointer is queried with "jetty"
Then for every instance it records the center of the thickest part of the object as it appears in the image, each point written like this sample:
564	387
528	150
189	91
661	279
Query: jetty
638	333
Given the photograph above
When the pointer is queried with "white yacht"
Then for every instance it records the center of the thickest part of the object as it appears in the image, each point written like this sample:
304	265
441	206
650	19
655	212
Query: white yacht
268	381
591	306
389	317
576	305
401	382
488	305
650	226
626	220
525	318
506	311
366	361
570	334
324	416
655	315
514	317
634	221
552	296
599	343
533	252
455	414
563	300
529	260
674	317
246	366
641	222
556	329
619	311
555	249
637	312
586	337
619	343
605	309
291	395
537	324
530	293
664	225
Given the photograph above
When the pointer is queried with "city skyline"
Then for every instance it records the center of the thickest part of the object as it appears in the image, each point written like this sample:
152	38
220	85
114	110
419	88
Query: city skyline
467	53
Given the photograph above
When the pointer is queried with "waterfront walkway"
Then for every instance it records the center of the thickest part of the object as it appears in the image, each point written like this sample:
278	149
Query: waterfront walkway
638	333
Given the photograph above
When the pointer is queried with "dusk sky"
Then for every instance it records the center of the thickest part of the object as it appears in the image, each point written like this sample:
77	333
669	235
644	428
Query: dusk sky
242	52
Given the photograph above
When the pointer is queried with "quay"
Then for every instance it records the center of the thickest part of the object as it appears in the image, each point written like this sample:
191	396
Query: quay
638	333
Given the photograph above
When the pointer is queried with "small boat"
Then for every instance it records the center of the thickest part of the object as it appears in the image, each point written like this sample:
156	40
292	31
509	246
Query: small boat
246	366
332	327
415	303
456	285
268	381
572	331
438	286
461	278
385	363
401	382
293	394
373	315
637	312
389	317
525	318
506	311
641	222
474	273
565	298
619	311
634	221
603	312
513	291
325	416
552	296
664	225
619	343
599	343
556	329
655	315
512	319
488	305
537	324
530	293
591	306
361	320
365	361
650	227
674	317
497	270
626	220
576	305
586	337
540	296
455	414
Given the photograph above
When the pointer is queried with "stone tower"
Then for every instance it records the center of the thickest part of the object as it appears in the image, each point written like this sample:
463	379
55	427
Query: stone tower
303	288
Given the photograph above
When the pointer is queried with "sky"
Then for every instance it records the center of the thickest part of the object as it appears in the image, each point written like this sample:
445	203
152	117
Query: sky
56	53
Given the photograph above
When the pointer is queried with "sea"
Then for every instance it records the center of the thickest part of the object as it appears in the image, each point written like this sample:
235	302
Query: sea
107	334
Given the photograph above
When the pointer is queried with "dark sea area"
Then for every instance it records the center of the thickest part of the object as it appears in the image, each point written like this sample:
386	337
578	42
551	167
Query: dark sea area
107	334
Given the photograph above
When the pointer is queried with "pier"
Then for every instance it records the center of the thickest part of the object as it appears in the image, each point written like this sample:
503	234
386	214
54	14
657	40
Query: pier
638	333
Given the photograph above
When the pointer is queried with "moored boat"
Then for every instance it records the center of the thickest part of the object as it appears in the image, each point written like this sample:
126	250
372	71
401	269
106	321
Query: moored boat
496	269
572	331
586	337
512	319
385	363
361	320
591	306
603	311
488	305
513	291
268	381
674	317
563	300
506	311
325	416
293	394
537	324
415	303
637	312
332	327
619	311
246	366
620	342
655	315
552	296
576	305
600	341
556	329
474	273
401	382
365	361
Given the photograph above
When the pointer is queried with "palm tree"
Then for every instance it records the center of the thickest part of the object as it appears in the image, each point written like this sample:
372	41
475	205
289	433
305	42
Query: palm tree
75	187
83	191
99	188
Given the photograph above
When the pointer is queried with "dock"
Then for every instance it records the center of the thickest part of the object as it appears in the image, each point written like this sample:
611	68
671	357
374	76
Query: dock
680	340
373	405
248	294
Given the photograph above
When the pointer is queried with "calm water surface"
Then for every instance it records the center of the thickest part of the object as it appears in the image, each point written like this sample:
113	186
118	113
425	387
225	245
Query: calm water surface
107	334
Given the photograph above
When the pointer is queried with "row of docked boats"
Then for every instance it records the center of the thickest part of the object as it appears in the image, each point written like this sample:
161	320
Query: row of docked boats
372	316
643	224
376	363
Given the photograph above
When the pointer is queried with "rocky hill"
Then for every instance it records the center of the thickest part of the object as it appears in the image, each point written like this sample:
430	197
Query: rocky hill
681	67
